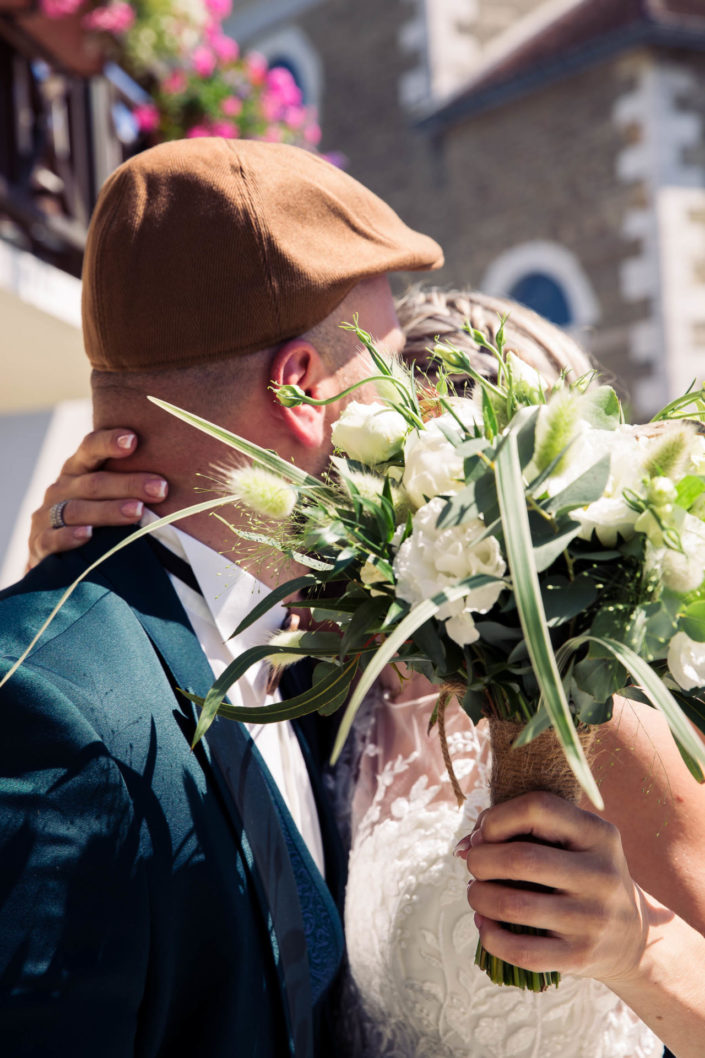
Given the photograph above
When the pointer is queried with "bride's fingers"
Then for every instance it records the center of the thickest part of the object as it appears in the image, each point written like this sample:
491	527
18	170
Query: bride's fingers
546	817
538	864
555	912
52	541
86	495
542	954
98	446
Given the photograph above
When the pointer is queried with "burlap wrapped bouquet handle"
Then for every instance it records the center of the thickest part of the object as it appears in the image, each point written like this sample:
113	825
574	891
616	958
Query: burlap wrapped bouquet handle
539	765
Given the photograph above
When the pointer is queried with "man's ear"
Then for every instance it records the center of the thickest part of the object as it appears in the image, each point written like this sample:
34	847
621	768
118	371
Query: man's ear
297	363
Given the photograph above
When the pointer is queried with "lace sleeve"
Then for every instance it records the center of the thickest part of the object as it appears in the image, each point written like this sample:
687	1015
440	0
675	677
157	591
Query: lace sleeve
400	763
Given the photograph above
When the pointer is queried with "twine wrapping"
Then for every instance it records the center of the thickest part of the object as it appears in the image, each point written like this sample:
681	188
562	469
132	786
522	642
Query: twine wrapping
448	691
539	765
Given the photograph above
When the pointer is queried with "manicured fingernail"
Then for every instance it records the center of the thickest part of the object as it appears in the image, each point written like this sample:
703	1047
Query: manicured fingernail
83	532
132	509
462	847
156	488
476	837
126	440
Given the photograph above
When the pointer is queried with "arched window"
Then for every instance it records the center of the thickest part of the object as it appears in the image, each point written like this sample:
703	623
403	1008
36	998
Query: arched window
544	295
291	48
547	278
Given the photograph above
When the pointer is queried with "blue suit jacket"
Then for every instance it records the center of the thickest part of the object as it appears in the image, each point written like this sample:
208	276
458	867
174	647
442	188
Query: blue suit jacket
150	903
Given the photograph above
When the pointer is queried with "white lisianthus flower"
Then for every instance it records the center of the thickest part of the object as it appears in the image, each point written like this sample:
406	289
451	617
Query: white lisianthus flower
369	433
686	661
682	571
432	466
261	491
431	559
609	516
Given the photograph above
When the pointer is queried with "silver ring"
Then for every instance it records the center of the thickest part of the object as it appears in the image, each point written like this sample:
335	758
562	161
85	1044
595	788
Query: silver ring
56	515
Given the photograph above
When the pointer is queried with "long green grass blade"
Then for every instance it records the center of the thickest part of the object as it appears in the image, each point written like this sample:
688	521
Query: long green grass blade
197	508
655	690
517	537
417	616
263	456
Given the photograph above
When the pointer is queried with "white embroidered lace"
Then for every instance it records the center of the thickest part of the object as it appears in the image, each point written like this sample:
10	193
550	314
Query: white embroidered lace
410	933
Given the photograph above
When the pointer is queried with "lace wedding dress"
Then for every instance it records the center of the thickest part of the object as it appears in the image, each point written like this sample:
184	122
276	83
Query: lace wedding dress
410	932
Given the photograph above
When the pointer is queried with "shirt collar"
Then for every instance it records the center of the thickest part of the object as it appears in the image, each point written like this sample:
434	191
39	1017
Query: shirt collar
230	592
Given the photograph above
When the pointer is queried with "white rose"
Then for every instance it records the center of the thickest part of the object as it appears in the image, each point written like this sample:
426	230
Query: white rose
432	466
432	559
369	433
686	661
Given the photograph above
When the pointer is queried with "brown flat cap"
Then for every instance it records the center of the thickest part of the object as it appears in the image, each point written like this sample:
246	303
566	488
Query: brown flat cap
205	248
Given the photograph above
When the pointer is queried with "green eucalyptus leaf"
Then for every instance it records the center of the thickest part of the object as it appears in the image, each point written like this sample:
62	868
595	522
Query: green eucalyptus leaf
587	488
692	621
274	597
312	644
658	694
688	489
366	621
564	599
550	541
327	694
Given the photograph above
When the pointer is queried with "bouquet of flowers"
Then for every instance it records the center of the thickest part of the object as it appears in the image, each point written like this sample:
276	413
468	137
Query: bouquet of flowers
529	552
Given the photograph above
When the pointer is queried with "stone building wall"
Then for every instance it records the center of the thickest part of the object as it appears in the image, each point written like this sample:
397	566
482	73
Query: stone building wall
600	176
543	171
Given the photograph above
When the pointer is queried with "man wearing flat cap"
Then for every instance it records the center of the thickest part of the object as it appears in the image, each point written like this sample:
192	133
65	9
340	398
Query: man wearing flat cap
158	901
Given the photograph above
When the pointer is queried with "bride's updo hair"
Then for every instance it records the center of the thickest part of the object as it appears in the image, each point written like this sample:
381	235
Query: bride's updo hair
429	313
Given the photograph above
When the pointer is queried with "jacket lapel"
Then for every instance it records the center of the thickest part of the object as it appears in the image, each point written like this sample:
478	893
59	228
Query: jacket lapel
254	807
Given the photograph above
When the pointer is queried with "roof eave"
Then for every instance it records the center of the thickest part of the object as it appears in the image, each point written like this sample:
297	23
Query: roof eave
471	102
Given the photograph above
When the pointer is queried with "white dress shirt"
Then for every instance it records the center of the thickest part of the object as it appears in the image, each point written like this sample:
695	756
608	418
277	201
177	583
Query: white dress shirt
229	593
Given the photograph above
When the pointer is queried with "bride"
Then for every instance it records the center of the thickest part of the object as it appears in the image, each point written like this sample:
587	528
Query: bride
413	990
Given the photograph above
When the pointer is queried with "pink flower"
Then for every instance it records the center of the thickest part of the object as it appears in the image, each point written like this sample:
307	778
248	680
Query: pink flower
225	47
60	8
256	67
219	9
147	117
174	83
203	60
312	134
116	18
280	81
271	106
231	107
295	117
198	130
228	129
